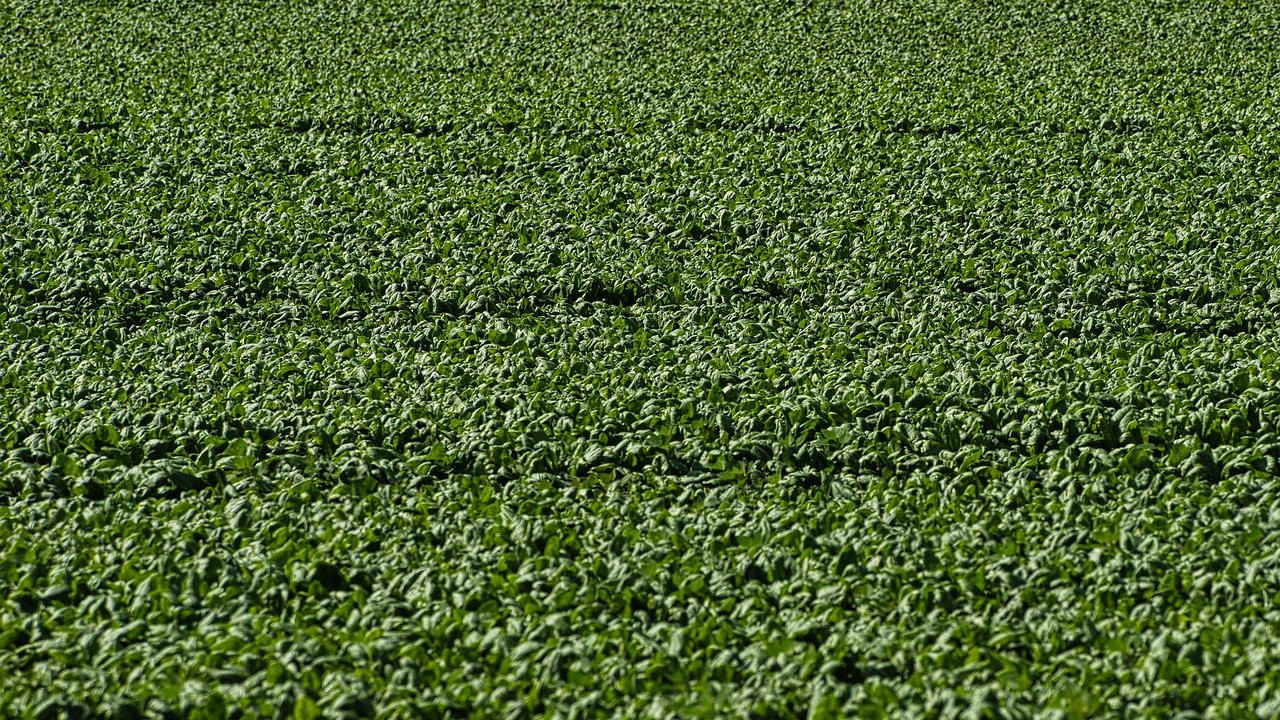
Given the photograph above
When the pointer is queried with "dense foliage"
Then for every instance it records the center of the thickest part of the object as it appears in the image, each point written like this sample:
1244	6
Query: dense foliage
589	359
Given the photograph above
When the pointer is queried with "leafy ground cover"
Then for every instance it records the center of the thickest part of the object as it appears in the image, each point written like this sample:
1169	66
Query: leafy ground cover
684	359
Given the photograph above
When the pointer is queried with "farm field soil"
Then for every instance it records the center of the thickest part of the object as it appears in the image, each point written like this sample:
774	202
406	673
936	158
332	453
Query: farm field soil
639	359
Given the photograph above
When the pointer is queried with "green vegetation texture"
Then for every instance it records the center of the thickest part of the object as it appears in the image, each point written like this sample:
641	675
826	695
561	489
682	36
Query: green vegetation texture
639	359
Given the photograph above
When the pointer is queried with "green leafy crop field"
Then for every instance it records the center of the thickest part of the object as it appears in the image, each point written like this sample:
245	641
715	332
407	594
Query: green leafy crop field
650	358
